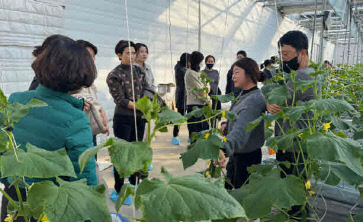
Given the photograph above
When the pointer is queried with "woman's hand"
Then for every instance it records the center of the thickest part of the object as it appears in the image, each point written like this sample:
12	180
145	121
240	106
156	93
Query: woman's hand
87	105
105	121
273	109
223	127
131	105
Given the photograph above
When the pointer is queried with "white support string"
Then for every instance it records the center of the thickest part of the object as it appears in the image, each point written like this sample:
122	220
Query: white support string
131	67
223	39
278	25
133	90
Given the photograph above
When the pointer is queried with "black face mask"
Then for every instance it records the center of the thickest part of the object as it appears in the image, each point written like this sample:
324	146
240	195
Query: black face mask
293	64
210	66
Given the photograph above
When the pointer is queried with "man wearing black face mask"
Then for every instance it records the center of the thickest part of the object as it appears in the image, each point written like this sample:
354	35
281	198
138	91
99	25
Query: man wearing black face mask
293	47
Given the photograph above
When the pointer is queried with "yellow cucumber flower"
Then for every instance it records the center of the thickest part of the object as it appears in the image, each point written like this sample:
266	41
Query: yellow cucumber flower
208	162
300	135
327	126
311	192
207	174
281	78
9	218
44	218
308	185
206	135
224	139
224	114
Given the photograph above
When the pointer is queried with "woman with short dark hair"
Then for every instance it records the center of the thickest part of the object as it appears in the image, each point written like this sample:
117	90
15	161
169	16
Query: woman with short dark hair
61	68
194	97
119	81
244	148
39	49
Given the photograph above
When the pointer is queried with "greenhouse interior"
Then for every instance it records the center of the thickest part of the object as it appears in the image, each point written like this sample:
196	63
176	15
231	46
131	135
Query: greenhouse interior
181	110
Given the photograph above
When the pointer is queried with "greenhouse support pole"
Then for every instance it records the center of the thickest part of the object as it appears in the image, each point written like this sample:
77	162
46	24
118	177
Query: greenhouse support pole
199	28
321	46
312	38
350	30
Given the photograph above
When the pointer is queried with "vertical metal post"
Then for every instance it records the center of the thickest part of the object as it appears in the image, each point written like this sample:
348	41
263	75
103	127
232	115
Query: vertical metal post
199	28
321	46
312	38
350	30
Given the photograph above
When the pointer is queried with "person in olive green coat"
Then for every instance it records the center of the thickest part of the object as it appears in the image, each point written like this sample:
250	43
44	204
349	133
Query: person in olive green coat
64	67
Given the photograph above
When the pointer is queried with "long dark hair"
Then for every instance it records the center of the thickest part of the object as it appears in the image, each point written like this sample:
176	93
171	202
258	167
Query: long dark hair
195	59
251	69
184	59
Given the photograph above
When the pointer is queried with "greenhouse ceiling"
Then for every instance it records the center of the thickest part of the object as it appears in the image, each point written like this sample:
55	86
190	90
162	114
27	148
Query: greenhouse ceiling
340	20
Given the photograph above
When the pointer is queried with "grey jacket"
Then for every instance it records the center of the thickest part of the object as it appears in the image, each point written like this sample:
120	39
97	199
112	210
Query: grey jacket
302	74
250	106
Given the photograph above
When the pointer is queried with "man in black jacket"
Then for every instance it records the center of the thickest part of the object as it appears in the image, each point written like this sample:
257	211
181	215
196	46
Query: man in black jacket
180	95
230	85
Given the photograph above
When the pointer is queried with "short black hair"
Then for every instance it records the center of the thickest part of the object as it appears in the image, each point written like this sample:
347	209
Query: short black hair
65	66
273	59
40	48
267	62
297	39
184	59
209	56
87	44
122	45
251	69
139	45
195	59
242	53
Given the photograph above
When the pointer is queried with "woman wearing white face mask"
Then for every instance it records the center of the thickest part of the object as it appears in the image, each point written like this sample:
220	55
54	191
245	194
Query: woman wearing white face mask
195	98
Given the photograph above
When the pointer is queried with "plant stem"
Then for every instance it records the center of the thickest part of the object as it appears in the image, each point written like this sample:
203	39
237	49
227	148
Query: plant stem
9	198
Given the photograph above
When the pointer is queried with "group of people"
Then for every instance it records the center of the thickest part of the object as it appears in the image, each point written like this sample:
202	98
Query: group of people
64	75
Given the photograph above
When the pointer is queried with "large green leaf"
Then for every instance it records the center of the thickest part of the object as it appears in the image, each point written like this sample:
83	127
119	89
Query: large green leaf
263	192
144	105
168	116
88	154
126	190
230	115
3	101
341	124
283	142
333	105
224	98
127	157
331	148
3	141
18	110
36	162
278	95
303	85
253	124
332	173
197	112
294	113
203	148
186	198
70	201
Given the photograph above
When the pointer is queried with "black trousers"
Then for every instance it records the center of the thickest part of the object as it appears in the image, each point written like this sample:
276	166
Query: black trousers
237	173
196	127
124	128
296	210
176	128
4	202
